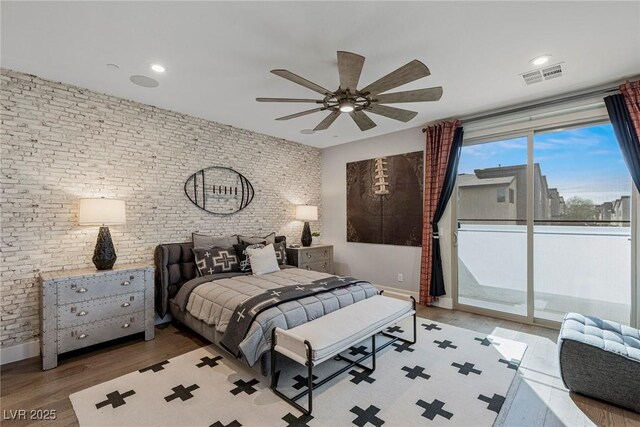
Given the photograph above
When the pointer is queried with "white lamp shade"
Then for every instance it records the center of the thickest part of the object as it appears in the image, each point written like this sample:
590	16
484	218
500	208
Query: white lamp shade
306	213
101	212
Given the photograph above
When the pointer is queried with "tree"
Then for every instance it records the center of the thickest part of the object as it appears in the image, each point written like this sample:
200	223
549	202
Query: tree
579	208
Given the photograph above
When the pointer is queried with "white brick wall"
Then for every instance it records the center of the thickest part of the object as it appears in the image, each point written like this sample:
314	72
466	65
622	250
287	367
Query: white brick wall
61	143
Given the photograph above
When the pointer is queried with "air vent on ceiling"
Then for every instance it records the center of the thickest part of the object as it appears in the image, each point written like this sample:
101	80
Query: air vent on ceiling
542	74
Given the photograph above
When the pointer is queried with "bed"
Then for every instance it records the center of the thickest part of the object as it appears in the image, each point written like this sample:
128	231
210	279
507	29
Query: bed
207	304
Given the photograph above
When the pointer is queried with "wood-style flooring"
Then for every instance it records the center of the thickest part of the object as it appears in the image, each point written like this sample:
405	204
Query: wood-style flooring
537	397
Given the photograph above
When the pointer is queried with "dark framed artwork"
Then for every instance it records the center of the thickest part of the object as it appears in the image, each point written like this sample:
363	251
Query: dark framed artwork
384	200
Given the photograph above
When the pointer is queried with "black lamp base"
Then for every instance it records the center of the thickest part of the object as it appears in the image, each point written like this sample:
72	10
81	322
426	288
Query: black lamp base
104	255
306	238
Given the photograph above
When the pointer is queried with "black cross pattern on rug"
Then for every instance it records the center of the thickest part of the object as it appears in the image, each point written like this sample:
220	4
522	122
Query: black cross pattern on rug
404	346
434	408
495	402
487	341
466	369
359	376
208	361
395	329
115	399
293	421
244	387
302	381
431	327
415	372
445	344
155	368
354	351
182	392
511	364
233	423
365	416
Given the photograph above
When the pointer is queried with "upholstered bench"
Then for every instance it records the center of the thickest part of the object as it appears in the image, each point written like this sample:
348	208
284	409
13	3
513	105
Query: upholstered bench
600	359
326	337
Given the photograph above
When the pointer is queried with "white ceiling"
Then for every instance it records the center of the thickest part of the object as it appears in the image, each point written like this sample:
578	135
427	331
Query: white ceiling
218	54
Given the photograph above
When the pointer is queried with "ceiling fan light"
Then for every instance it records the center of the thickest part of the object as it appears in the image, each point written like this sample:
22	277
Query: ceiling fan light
346	107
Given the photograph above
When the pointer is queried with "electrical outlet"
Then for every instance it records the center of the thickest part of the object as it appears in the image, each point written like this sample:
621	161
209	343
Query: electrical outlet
400	278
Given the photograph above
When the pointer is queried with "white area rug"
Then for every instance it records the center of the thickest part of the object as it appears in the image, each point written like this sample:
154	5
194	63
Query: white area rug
451	376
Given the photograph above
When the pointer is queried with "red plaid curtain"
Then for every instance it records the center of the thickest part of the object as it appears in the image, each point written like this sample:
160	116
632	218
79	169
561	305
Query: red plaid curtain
631	93
437	153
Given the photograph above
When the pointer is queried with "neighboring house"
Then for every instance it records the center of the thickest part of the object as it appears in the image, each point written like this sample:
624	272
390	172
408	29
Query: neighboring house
486	199
557	206
618	210
515	177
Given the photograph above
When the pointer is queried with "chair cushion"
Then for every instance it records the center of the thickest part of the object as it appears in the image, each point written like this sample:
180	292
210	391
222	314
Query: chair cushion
337	331
606	335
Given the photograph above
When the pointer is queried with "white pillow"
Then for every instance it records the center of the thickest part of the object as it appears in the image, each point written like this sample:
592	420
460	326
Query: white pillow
263	260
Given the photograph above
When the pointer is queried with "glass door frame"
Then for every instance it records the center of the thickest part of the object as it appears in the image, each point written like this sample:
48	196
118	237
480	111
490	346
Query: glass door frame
530	318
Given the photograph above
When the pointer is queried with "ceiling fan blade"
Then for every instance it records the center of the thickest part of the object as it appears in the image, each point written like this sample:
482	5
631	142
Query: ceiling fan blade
419	95
362	120
303	113
349	68
414	70
288	100
392	112
301	81
328	121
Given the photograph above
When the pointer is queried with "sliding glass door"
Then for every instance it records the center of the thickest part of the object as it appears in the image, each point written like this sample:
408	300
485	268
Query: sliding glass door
492	234
543	226
582	233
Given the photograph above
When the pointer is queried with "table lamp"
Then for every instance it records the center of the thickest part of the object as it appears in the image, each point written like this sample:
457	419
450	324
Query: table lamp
102	212
306	213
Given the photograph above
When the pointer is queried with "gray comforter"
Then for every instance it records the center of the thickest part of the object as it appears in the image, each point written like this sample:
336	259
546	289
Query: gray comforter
213	302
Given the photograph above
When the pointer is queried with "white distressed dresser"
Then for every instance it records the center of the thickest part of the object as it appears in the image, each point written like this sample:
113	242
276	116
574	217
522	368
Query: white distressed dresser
84	307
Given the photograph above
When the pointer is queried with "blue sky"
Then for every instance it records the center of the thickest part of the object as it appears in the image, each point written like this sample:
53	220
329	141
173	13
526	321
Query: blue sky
584	162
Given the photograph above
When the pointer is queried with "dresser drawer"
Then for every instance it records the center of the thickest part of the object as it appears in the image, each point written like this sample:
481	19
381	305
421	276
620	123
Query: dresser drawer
83	312
321	266
99	286
315	255
97	332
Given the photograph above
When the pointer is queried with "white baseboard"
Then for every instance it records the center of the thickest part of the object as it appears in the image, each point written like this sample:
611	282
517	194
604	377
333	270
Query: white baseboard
399	291
21	351
442	302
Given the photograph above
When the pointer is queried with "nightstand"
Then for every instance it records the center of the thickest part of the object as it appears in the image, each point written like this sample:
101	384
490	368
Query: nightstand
84	307
316	258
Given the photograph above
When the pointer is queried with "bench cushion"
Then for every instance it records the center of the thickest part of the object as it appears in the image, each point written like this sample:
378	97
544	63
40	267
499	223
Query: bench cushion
339	330
603	334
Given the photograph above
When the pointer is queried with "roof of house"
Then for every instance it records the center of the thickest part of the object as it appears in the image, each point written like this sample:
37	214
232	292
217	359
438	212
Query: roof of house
469	180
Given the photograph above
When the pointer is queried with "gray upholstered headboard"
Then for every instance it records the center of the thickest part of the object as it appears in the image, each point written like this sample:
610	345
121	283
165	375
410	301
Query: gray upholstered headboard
175	265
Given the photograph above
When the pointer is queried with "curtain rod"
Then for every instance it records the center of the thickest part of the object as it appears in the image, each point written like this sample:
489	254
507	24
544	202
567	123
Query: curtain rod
576	97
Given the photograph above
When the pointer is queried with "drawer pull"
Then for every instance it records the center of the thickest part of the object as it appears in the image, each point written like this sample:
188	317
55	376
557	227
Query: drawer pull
81	313
125	304
82	336
308	255
324	253
81	290
324	265
308	268
126	325
125	283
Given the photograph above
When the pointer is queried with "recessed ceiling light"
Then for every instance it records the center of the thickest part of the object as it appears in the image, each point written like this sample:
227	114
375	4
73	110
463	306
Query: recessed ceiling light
157	68
144	81
307	131
540	60
112	66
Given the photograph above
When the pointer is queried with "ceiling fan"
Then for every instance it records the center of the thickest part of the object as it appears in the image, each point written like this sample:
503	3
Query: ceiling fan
348	99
